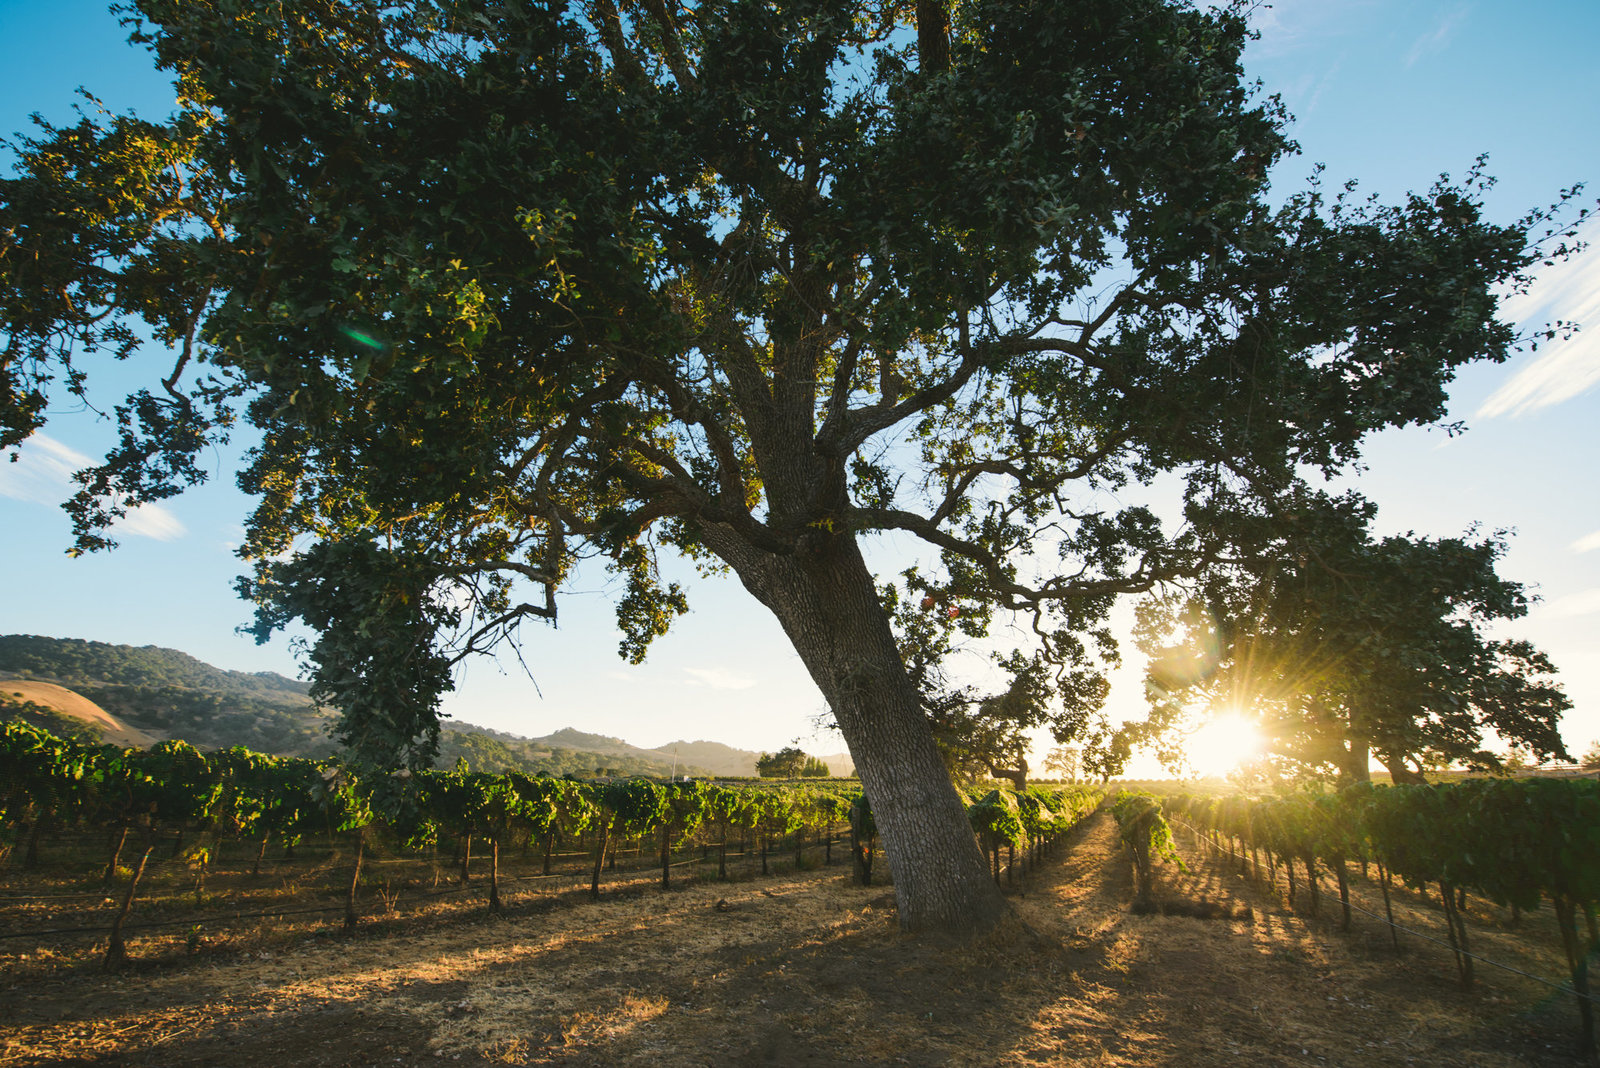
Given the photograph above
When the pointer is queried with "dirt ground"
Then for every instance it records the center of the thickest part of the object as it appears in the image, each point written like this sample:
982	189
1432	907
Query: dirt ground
807	968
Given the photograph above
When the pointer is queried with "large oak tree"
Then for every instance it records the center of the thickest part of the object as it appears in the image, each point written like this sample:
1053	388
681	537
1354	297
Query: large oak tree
504	284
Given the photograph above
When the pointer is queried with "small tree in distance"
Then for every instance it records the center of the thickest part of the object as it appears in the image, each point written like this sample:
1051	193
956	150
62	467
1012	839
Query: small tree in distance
787	763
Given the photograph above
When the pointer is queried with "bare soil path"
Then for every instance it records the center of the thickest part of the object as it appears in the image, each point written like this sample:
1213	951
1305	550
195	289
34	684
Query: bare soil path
807	968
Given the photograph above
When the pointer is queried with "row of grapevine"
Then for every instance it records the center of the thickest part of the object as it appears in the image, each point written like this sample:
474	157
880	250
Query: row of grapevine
1028	820
1143	828
1516	842
235	794
173	790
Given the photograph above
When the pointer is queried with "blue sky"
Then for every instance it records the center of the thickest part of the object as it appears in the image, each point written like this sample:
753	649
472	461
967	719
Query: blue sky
1391	93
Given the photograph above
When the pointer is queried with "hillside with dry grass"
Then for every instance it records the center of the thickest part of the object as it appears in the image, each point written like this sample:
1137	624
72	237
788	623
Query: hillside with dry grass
73	706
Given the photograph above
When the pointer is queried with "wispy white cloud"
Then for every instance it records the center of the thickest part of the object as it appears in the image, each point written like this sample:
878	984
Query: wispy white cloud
717	679
41	471
1438	38
152	521
42	474
1587	543
1586	603
1563	368
1288	26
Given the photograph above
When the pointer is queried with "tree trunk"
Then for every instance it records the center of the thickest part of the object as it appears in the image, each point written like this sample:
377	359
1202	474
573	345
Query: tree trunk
116	855
30	858
827	603
116	951
351	918
1401	773
1355	762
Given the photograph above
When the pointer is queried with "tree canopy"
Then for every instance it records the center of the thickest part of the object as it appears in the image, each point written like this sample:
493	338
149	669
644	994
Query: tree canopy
1346	646
508	284
790	762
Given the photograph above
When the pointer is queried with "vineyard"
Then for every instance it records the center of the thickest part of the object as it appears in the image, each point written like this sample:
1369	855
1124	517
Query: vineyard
1518	843
293	911
387	835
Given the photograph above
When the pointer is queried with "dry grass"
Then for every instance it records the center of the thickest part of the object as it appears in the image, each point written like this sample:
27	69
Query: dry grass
71	703
806	968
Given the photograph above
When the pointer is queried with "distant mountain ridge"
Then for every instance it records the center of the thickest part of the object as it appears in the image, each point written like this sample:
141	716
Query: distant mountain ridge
166	693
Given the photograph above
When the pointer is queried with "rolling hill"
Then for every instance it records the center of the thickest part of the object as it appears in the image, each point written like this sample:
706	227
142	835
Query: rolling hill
19	693
138	695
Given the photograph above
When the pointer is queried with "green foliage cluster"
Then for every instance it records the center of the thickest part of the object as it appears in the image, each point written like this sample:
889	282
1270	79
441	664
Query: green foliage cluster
240	794
1027	820
790	763
245	794
1515	841
1143	828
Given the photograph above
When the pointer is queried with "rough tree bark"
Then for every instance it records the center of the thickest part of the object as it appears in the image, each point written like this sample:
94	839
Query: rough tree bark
827	603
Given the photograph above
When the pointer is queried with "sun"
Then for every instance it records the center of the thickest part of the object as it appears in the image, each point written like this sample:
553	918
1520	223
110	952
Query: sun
1223	743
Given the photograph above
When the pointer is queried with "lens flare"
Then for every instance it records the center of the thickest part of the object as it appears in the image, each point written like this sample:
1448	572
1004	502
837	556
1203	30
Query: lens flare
1223	743
361	338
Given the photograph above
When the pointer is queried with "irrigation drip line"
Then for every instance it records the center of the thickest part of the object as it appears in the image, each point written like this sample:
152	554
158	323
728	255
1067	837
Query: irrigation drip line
279	913
225	917
1419	934
191	922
